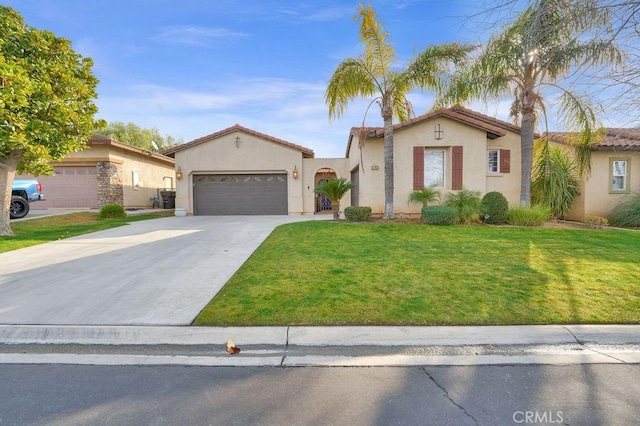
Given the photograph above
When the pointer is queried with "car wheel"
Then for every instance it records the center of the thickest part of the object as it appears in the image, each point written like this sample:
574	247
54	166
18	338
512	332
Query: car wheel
19	207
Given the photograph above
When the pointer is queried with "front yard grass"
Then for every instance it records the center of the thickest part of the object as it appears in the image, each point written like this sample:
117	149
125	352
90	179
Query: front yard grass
325	273
51	228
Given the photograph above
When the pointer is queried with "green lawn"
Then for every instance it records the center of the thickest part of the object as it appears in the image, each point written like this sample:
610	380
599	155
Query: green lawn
322	273
51	228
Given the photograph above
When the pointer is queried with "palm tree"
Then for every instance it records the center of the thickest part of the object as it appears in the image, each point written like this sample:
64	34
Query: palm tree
546	46
424	196
372	74
334	190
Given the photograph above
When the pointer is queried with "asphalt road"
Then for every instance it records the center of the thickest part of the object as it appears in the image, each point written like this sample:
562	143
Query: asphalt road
478	395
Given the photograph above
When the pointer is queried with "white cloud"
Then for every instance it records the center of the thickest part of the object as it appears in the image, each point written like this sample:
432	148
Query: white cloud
198	36
331	14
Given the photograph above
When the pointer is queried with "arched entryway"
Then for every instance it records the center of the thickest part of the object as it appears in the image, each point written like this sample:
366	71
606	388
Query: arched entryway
323	204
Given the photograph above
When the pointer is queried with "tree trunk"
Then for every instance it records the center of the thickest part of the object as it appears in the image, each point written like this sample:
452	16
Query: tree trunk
526	148
387	116
7	173
335	208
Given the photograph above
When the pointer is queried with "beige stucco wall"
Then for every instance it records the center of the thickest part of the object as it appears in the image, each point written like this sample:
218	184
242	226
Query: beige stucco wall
310	167
253	155
152	171
508	184
596	197
475	176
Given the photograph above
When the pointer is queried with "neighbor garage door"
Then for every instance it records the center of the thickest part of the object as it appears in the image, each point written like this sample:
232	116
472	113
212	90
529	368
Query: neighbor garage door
250	194
70	187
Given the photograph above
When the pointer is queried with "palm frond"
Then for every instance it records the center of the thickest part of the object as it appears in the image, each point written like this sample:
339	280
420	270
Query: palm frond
379	54
350	80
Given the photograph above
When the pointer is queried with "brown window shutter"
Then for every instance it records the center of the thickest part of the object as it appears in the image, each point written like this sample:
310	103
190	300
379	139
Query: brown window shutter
456	167
418	167
505	161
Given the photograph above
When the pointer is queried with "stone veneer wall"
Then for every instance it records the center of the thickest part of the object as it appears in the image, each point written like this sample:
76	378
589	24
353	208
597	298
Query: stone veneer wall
110	189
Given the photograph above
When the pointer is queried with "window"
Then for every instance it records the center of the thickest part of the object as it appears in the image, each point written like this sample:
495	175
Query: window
494	161
434	168
135	180
619	175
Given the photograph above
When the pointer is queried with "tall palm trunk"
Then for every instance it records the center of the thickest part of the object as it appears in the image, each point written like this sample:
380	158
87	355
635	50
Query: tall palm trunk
526	148
387	116
527	129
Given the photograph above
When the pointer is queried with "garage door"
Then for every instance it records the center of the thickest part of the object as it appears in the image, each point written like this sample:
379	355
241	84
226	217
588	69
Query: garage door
250	194
70	187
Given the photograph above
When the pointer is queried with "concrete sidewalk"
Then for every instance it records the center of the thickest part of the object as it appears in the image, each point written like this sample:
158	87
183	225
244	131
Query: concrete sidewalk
321	346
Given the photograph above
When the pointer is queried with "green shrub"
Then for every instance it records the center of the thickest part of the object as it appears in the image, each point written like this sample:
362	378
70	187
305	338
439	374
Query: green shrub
494	208
595	222
358	214
439	215
627	213
424	196
534	215
466	202
112	211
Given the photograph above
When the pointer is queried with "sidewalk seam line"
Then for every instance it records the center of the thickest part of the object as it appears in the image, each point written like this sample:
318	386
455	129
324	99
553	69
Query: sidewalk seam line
574	336
607	355
286	348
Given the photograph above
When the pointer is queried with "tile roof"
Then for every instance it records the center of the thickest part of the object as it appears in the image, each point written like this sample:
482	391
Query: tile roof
614	139
493	126
306	152
98	139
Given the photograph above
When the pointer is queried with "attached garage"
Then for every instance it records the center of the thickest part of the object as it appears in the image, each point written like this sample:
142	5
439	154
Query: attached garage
238	171
240	194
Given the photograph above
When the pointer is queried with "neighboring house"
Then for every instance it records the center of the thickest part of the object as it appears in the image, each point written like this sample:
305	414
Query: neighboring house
615	172
106	172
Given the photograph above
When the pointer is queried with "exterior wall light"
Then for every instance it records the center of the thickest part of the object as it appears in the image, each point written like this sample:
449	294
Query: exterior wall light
179	174
295	172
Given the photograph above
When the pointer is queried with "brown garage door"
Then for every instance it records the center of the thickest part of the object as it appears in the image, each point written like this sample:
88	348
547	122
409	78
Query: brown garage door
70	187
249	194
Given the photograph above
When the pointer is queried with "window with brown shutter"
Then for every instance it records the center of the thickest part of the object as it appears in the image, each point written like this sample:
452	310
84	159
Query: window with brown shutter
456	167
418	167
505	161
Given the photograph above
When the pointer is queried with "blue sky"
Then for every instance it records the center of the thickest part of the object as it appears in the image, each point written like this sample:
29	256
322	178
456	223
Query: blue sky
193	67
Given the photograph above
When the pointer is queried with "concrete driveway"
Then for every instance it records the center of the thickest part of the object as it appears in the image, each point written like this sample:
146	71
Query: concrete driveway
155	272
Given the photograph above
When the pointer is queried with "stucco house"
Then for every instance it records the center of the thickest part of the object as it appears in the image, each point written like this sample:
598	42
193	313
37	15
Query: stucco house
449	148
240	171
615	172
106	172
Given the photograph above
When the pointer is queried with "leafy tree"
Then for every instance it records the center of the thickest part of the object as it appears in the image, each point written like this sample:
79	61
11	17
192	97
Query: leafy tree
374	74
135	135
539	52
46	102
334	190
